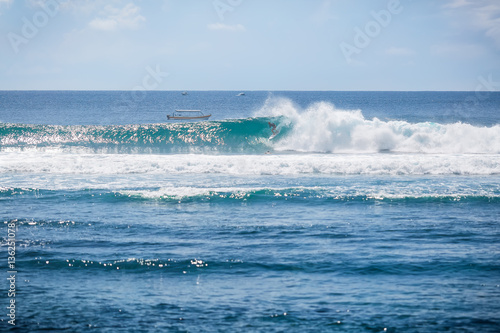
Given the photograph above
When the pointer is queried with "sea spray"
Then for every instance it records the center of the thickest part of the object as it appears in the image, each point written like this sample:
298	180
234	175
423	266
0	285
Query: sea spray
323	128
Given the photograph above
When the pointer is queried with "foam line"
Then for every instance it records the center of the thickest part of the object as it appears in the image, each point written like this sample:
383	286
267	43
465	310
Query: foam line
273	164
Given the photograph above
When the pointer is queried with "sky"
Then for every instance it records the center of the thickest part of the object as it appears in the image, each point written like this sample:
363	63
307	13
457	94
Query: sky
340	45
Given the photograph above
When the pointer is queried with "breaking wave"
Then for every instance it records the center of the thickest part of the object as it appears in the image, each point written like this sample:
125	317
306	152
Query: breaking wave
323	128
320	128
307	194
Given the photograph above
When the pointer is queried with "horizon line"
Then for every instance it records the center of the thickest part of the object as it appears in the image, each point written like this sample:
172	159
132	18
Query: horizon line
237	90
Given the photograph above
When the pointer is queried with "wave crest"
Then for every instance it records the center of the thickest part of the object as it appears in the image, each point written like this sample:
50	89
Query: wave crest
323	128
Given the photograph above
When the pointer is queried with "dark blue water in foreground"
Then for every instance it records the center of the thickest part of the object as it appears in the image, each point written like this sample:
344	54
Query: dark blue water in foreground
368	212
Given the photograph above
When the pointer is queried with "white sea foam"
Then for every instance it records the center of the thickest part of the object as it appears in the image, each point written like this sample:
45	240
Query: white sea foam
367	192
273	164
180	192
323	128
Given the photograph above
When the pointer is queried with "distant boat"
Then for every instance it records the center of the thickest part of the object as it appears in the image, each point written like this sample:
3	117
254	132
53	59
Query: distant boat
241	94
184	92
188	115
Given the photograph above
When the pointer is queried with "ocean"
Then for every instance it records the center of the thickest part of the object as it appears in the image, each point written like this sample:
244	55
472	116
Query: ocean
368	212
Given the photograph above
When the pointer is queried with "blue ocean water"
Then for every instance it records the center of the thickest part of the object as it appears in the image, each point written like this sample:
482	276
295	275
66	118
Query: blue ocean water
368	212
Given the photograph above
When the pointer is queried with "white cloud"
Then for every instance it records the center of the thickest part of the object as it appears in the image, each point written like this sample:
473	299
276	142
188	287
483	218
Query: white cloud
81	7
222	26
103	24
488	19
481	15
399	51
37	70
457	50
457	4
112	18
324	12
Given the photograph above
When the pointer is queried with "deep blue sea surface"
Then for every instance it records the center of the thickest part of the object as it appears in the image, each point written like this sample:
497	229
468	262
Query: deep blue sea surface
368	212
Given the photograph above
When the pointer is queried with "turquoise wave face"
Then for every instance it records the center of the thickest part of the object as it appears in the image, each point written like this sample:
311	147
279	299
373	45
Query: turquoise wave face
323	129
249	135
229	196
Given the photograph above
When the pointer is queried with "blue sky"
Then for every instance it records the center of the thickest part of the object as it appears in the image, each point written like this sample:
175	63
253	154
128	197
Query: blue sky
250	45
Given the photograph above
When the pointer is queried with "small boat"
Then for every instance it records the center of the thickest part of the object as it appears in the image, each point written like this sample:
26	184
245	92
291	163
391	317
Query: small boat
184	92
241	94
188	115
